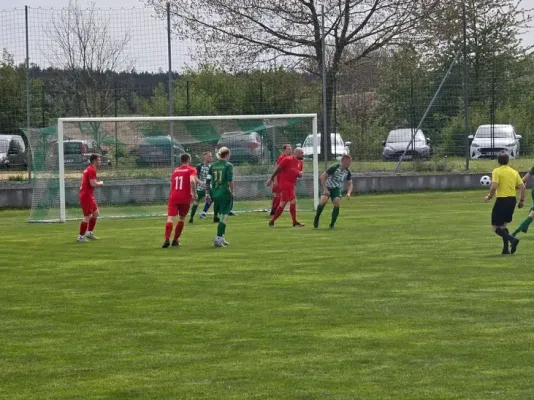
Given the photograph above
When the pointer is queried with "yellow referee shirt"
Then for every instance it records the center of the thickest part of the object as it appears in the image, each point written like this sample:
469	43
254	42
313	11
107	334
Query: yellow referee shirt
507	180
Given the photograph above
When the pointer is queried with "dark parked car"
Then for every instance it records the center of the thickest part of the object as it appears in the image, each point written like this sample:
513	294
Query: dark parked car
76	154
13	152
158	151
245	147
400	139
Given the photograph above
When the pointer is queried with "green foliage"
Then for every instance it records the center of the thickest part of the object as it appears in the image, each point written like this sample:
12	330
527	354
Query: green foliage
13	96
210	91
16	178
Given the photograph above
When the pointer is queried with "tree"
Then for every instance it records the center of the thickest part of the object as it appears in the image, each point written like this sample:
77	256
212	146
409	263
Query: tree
493	39
13	95
88	55
255	32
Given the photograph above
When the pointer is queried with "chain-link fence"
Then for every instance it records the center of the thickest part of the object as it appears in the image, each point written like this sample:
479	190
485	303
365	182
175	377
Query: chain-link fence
94	62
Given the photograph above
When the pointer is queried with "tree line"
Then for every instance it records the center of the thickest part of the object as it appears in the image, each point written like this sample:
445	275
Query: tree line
371	90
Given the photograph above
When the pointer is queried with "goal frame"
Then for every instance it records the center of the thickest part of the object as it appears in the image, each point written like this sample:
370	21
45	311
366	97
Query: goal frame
61	157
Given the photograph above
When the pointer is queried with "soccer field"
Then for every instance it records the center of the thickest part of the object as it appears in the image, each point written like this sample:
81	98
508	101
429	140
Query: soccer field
407	299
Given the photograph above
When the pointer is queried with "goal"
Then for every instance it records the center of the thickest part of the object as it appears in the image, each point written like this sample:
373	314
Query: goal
138	155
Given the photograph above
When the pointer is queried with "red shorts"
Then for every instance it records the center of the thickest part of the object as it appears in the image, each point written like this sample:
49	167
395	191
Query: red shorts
287	195
275	189
174	209
88	205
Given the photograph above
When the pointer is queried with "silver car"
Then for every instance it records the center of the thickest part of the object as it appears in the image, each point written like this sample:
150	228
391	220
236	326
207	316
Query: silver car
246	147
490	140
399	140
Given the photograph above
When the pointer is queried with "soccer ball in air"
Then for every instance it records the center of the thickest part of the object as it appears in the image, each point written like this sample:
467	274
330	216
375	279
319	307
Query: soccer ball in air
485	180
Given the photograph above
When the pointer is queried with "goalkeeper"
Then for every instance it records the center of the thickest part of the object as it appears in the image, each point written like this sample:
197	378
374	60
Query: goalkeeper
202	173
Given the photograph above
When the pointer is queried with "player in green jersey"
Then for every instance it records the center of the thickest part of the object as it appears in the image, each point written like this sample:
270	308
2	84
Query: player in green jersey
333	181
523	227
202	174
220	187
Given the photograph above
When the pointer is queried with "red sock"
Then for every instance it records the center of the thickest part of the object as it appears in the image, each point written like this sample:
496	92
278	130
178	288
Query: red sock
92	223
278	212
179	229
293	211
83	228
276	203
168	230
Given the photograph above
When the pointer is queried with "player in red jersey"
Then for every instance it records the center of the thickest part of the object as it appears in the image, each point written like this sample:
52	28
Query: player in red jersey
288	173
87	199
286	151
183	190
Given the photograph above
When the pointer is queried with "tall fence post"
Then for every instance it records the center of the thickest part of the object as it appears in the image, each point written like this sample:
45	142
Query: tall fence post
28	103
171	94
465	90
323	73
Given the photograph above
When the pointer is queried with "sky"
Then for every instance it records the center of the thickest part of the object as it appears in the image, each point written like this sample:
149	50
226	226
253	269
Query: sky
147	47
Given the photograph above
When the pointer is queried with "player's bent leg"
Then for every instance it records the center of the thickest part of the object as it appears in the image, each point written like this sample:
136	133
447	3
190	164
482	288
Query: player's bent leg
335	211
223	205
193	211
503	232
278	212
205	210
172	212
523	227
83	228
178	230
322	204
216	208
91	226
293	212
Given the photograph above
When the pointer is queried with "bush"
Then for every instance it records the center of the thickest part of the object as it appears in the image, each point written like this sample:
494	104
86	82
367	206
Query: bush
16	178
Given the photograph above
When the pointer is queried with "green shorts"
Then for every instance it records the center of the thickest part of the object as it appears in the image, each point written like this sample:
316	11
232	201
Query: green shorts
201	194
223	204
335	192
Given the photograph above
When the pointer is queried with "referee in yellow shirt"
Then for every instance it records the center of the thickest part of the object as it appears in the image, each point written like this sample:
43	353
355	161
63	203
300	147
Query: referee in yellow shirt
504	183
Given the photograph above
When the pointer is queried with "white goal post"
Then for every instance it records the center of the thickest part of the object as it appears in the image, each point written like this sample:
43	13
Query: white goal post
239	120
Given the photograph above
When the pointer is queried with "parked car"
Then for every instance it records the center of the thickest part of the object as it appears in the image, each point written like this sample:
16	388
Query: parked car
490	140
13	152
76	154
158	151
398	141
245	146
338	147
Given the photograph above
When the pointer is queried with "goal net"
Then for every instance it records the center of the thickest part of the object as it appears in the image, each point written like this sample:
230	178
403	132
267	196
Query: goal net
138	155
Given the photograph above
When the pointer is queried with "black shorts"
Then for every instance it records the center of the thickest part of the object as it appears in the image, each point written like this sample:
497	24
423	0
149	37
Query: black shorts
503	211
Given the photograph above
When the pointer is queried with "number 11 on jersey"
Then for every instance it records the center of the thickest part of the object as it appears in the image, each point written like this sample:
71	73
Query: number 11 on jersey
179	181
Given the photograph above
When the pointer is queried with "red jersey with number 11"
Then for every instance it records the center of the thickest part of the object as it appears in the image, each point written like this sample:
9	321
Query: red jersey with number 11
181	184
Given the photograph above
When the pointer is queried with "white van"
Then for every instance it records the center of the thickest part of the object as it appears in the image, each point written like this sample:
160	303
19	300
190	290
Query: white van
338	147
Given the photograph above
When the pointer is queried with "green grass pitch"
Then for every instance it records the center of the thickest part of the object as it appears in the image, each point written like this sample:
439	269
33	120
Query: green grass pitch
406	299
